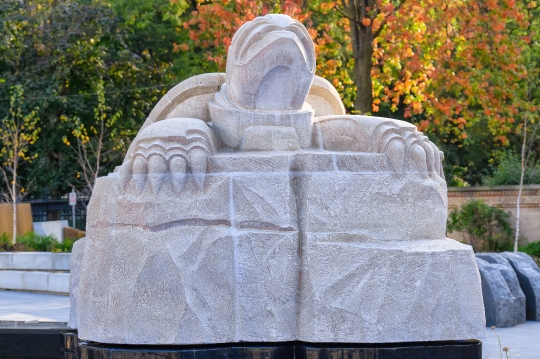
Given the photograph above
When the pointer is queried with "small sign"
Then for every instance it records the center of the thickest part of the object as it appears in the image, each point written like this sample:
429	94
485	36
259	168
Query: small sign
72	198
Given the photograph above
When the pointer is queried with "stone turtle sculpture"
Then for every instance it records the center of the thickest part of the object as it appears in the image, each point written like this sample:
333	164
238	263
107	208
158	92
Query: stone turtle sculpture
250	207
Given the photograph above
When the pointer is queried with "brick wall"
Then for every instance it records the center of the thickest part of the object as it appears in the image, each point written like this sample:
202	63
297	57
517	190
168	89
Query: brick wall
506	198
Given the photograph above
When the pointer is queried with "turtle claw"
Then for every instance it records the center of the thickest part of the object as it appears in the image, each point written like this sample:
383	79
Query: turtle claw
197	161
140	173
157	172
155	169
177	168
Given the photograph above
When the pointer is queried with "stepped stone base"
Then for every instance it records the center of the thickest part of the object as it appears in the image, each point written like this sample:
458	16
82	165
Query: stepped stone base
223	287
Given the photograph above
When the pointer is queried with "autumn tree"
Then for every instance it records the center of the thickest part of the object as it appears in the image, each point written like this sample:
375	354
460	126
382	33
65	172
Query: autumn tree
213	24
18	132
451	67
361	15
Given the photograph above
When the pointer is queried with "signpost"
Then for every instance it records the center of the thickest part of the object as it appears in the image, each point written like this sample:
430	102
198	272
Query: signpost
73	203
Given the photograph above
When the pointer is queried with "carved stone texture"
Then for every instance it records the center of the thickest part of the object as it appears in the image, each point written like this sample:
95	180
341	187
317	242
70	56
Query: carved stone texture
500	305
373	207
272	222
167	149
188	99
270	68
528	275
226	258
231	124
406	148
324	98
510	276
261	78
357	291
77	254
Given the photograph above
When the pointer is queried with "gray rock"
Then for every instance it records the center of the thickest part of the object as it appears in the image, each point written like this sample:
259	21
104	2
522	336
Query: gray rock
499	303
528	275
77	254
511	278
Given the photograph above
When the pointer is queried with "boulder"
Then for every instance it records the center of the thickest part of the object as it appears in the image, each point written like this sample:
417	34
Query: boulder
528	275
508	273
77	254
499	303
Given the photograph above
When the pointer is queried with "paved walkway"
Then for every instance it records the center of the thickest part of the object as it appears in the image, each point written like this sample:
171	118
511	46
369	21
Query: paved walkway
522	340
23	306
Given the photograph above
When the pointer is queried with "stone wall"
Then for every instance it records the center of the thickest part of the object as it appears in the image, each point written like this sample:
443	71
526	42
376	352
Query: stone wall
506	198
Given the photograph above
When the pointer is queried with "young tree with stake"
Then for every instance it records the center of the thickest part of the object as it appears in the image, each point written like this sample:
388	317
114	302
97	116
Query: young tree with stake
18	132
97	143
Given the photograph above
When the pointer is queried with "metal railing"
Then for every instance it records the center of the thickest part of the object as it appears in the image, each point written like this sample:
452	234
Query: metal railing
55	210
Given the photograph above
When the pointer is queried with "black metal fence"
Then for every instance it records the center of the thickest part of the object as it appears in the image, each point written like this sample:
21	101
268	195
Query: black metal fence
55	210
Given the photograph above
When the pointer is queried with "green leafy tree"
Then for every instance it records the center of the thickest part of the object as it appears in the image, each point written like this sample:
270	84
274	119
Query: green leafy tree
60	51
508	171
18	132
152	28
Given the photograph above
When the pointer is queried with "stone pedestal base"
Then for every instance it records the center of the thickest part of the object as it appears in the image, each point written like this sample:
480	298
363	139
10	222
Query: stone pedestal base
471	349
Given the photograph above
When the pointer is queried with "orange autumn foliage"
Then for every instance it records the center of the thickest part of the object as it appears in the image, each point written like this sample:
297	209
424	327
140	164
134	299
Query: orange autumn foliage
213	25
440	64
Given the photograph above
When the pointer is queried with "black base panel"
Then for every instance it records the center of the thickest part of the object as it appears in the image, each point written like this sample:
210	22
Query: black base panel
288	350
32	340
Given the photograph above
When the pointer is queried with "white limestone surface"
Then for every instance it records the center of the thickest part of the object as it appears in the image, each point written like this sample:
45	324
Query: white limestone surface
277	218
388	292
277	247
77	254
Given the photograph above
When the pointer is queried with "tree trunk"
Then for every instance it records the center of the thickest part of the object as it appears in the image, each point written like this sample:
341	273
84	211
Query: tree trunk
362	41
523	167
14	199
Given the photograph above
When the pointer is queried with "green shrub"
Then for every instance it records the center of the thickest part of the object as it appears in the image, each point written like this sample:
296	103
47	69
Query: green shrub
32	242
65	246
484	227
5	242
37	242
532	249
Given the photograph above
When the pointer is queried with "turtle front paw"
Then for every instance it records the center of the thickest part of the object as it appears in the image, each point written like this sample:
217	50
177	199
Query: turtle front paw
407	149
410	150
169	149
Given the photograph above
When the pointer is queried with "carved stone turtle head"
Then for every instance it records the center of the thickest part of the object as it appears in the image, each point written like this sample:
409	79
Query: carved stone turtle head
270	64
